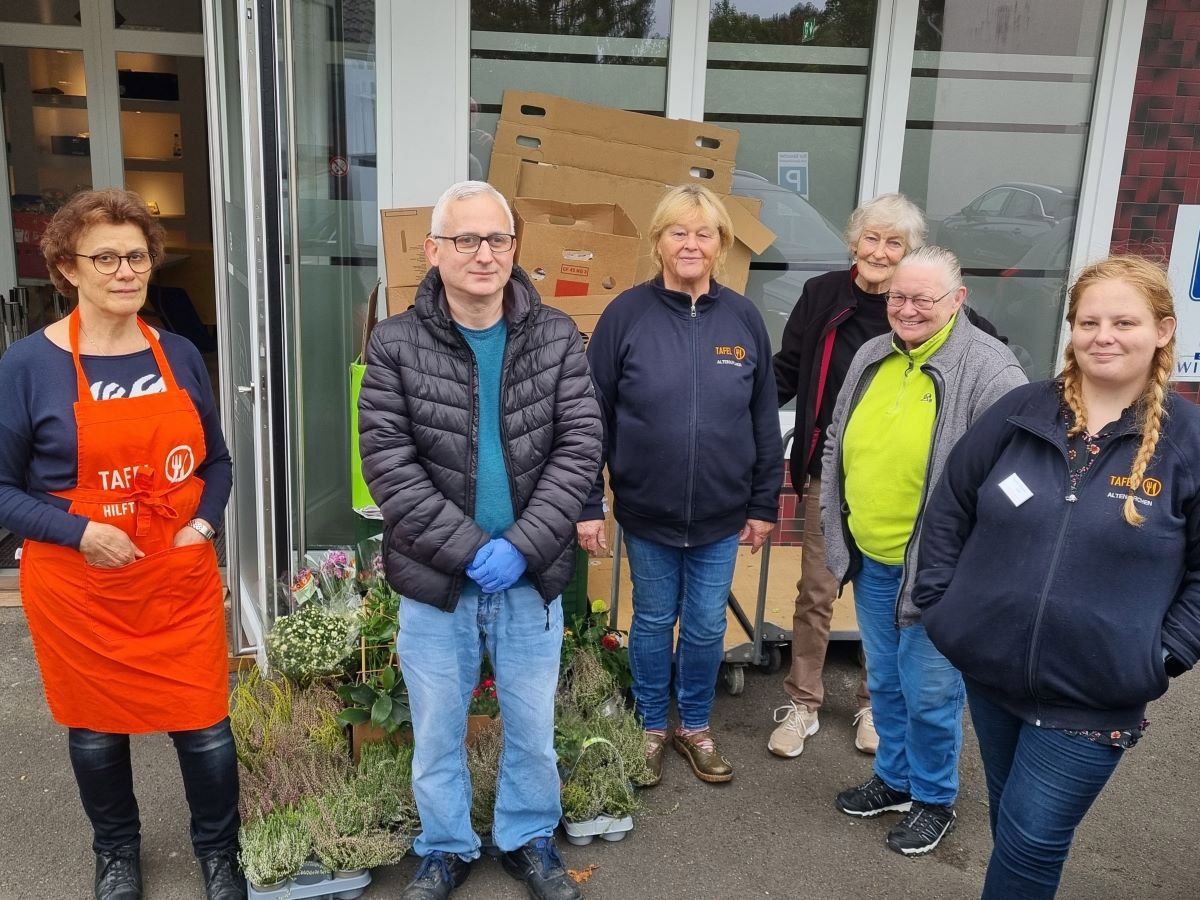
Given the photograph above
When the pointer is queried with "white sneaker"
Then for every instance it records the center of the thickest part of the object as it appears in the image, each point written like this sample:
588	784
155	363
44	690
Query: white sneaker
796	722
865	738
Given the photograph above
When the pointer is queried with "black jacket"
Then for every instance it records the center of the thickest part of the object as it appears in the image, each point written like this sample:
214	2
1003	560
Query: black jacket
418	412
691	423
1057	607
826	302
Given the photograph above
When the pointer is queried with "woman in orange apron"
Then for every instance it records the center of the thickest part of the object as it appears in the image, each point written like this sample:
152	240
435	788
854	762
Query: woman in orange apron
114	469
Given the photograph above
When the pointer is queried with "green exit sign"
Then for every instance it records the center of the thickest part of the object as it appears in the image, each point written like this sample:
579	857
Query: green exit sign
810	30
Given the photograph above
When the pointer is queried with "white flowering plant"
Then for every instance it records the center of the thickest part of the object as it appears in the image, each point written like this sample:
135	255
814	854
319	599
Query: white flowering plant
310	643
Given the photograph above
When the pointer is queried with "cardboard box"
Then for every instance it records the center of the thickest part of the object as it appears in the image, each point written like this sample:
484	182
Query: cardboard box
400	298
584	311
600	155
528	108
404	232
575	249
639	198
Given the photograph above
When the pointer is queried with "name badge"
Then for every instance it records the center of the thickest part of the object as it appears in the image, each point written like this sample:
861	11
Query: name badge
1015	489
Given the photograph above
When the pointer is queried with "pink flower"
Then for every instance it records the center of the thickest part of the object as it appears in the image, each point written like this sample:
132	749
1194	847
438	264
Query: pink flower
487	682
477	693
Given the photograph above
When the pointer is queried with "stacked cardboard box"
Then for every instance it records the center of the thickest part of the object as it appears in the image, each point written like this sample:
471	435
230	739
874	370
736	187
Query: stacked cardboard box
404	233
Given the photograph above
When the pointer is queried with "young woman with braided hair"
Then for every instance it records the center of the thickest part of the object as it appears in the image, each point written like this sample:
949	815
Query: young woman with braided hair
1060	568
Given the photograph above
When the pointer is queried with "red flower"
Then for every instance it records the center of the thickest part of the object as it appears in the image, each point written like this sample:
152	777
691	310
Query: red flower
487	682
492	691
477	693
610	642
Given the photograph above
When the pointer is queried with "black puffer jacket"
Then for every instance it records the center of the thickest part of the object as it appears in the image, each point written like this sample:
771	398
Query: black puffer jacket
418	414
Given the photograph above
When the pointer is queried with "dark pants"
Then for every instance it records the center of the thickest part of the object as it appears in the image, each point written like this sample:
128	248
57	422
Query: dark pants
1041	783
210	780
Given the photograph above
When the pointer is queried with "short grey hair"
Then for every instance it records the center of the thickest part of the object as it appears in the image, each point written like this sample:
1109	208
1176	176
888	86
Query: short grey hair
939	258
461	191
889	212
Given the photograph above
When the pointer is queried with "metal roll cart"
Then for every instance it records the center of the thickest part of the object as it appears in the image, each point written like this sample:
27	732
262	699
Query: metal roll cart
765	641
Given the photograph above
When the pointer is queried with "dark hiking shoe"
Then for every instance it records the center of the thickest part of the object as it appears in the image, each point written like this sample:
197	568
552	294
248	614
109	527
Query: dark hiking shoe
922	829
872	798
541	868
438	875
119	875
223	878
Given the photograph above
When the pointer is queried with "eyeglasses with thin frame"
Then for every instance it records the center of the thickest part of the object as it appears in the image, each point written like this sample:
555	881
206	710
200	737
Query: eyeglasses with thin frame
924	304
469	243
140	261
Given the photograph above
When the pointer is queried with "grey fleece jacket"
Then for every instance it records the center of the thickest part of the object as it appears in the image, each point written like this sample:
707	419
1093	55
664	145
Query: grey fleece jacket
970	372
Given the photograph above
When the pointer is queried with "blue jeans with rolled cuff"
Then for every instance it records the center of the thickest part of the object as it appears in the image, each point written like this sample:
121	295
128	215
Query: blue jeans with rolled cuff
208	763
1041	783
439	655
688	585
916	694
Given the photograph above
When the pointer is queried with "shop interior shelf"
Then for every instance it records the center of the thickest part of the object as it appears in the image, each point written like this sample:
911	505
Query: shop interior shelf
131	105
60	101
153	164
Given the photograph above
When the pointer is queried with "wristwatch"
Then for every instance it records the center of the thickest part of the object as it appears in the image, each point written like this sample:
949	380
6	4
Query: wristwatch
201	526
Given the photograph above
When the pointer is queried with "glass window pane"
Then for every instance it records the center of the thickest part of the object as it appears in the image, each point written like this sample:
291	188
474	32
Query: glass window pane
43	12
335	187
49	149
611	52
154	15
792	78
1015	101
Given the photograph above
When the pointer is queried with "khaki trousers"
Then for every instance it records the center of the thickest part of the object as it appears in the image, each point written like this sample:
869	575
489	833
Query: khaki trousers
815	593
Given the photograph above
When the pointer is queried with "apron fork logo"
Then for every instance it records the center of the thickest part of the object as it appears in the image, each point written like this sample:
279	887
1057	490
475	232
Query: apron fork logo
180	463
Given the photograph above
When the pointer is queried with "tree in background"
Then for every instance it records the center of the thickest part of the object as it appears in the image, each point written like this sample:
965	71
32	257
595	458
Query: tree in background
594	18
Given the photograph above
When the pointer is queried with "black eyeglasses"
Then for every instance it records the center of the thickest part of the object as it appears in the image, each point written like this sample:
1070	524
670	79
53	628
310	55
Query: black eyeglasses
924	304
469	243
140	262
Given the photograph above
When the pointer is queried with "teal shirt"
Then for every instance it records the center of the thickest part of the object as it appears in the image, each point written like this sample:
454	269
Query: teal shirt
493	501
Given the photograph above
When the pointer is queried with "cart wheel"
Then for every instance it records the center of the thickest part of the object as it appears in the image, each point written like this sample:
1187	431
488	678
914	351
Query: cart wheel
774	661
735	679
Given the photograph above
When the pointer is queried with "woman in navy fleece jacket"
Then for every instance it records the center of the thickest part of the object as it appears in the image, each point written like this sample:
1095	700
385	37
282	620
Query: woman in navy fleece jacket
1059	568
682	367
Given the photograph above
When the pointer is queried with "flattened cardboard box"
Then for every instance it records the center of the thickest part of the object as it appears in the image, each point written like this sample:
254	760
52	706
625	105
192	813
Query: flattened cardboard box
404	232
528	108
601	155
639	198
575	249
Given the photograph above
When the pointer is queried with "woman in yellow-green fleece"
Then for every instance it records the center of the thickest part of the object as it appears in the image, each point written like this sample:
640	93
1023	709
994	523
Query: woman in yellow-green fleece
907	399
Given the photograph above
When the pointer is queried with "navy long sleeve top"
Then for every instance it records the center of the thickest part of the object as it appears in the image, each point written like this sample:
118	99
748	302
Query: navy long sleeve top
38	441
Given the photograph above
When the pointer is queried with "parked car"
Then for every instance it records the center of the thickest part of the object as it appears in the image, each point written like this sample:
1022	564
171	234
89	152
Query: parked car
806	244
1000	226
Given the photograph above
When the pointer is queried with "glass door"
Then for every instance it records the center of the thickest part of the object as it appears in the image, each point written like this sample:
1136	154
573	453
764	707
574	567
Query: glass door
243	319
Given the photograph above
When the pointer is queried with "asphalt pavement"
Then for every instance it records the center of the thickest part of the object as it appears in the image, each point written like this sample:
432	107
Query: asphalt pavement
771	832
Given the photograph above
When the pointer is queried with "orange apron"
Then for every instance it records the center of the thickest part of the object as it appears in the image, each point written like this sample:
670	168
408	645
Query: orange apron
141	647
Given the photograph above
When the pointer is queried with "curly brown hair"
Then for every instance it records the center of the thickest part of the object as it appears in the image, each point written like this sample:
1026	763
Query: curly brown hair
112	206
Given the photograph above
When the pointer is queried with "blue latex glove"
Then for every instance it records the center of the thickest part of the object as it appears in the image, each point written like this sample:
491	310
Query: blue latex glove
497	566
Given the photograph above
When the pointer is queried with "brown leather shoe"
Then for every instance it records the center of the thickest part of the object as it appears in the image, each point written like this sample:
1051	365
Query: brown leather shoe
709	765
656	745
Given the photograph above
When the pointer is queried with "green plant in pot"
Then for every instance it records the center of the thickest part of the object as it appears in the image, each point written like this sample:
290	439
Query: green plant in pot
274	846
309	644
382	702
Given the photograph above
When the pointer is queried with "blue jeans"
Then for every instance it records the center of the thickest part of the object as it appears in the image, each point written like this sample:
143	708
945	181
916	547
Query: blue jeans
916	694
688	585
1040	784
208	763
440	654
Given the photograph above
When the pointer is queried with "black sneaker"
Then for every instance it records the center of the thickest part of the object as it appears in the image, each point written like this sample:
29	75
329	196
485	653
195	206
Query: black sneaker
541	868
438	875
922	829
871	799
119	874
223	878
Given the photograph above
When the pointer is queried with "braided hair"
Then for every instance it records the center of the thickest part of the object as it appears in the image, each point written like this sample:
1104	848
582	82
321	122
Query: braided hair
1149	279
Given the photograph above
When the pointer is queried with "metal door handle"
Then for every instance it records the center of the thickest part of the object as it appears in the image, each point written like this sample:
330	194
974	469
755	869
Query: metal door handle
245	389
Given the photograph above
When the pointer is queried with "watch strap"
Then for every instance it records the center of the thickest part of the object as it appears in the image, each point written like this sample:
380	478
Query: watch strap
201	526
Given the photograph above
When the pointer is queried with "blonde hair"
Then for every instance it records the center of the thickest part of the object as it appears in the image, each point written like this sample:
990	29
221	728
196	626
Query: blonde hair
888	212
1150	280
682	202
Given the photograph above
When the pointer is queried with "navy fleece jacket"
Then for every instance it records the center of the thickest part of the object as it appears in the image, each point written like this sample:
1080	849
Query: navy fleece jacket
691	424
1053	604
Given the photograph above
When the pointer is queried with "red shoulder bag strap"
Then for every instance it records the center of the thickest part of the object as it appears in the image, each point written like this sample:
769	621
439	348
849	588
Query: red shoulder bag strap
826	355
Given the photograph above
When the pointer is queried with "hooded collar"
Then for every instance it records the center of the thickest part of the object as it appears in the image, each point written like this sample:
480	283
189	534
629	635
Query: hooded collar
520	298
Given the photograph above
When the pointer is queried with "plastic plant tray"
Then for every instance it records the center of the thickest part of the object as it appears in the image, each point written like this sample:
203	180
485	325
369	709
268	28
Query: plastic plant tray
303	886
604	827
